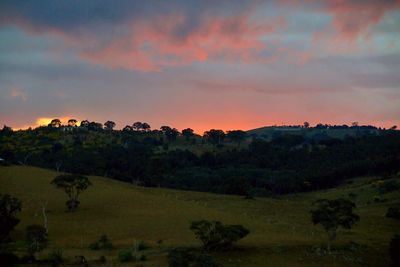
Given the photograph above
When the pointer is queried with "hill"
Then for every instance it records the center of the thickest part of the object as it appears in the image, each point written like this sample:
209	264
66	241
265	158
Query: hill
281	233
314	133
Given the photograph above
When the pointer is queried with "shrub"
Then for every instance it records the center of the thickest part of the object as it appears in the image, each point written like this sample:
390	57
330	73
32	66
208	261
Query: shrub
36	237
216	236
393	212
102	243
142	246
394	250
377	199
125	255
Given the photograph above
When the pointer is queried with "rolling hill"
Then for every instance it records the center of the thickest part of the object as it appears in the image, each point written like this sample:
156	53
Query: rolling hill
281	233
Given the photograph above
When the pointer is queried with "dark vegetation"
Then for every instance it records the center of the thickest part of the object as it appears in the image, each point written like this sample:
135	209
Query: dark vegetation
332	214
230	163
216	236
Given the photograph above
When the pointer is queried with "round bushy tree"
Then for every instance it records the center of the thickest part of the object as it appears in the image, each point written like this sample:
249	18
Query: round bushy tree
73	185
332	214
216	236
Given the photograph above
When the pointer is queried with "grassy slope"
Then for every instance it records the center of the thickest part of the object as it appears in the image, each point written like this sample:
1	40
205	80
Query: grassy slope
281	232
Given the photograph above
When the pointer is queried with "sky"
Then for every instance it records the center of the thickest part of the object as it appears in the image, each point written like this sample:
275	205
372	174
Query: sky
226	64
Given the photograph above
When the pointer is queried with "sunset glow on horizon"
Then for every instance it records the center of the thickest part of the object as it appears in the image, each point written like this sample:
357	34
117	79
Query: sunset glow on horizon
200	64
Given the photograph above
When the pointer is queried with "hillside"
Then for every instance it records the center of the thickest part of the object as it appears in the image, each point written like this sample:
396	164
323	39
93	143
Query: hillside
281	230
314	133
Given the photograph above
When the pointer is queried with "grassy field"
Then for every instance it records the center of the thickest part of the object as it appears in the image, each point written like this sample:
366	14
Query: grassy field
281	231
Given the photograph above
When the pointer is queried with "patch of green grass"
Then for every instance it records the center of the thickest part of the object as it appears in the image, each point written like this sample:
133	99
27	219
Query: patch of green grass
281	232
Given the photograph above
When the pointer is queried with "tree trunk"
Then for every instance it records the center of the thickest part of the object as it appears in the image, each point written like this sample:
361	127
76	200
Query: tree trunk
331	238
45	217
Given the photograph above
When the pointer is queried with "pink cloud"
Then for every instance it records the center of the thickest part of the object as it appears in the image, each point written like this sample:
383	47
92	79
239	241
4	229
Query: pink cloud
153	46
352	19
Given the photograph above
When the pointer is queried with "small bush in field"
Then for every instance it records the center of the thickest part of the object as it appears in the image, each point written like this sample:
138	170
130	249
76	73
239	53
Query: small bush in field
142	246
36	238
102	243
125	255
216	236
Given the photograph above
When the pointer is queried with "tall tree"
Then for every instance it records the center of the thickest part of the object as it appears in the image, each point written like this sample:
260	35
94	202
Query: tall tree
72	122
73	185
236	136
171	134
127	128
55	123
85	123
332	214
188	133
109	125
214	136
137	126
146	127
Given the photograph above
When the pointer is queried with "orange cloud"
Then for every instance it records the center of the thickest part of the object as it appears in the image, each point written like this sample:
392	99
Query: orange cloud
153	46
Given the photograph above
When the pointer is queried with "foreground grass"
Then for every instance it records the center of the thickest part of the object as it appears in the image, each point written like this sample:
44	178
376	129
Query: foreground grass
281	230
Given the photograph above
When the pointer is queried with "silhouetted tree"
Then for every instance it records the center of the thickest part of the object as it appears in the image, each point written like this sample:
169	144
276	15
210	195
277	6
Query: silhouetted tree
146	127
236	136
72	122
85	123
332	214
95	126
73	185
165	128
109	125
170	133
127	128
306	124
55	123
214	136
6	131
137	126
188	133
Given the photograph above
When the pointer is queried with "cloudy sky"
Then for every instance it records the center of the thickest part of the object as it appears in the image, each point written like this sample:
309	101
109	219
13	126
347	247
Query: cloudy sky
203	64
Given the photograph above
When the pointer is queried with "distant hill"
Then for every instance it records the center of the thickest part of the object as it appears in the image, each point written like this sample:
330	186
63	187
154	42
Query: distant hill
281	233
321	132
